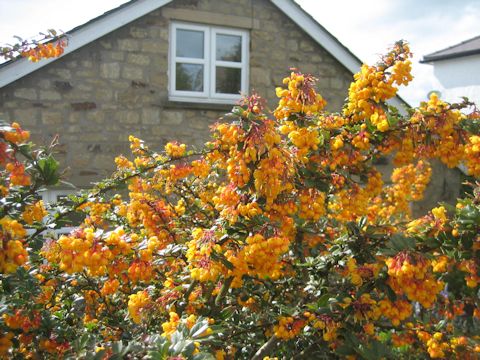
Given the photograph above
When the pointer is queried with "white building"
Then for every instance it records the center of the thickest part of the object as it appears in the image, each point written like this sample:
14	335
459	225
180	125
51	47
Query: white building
457	69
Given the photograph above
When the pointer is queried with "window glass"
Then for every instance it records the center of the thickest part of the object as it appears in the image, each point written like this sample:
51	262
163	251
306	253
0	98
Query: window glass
229	48
189	77
207	63
229	80
190	44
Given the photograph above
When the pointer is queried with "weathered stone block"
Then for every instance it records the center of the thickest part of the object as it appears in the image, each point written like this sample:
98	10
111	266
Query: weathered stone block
117	55
106	44
138	59
85	73
103	94
52	118
150	116
306	45
104	161
110	70
128	45
50	95
88	64
260	76
336	83
130	72
26	117
44	84
138	33
26	93
292	45
96	116
154	46
171	118
129	117
63	73
62	86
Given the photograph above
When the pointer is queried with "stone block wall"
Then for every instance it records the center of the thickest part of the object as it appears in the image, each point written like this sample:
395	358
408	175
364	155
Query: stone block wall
96	96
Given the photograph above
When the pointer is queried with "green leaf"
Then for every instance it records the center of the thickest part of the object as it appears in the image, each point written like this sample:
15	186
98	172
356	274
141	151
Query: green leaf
198	329
398	243
227	312
48	167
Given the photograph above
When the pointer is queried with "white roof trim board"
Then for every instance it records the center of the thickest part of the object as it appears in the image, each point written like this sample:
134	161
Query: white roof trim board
136	9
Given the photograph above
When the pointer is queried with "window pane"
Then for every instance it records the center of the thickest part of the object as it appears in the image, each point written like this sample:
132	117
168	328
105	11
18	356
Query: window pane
190	43
229	48
189	77
229	80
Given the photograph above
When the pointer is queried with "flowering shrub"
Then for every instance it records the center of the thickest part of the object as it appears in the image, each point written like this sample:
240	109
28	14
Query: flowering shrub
278	238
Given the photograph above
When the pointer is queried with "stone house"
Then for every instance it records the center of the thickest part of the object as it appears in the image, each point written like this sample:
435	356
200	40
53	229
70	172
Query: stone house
165	70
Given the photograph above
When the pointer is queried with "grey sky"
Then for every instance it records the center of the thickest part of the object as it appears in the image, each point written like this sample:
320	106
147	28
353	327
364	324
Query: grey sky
366	27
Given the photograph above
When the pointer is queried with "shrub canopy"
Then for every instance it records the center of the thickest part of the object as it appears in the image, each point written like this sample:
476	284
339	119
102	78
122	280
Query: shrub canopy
278	238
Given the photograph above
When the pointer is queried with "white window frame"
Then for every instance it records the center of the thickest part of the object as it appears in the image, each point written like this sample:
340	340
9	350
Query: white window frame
209	94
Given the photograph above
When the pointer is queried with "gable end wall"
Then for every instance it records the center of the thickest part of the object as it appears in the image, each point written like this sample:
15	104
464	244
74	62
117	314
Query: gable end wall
117	85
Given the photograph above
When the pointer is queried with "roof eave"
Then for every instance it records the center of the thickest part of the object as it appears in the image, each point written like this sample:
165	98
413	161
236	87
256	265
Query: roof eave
428	59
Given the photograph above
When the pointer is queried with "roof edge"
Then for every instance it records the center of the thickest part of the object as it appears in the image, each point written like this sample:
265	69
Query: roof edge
432	58
83	35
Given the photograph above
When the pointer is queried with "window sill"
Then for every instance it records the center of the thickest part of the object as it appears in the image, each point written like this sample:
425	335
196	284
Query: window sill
170	104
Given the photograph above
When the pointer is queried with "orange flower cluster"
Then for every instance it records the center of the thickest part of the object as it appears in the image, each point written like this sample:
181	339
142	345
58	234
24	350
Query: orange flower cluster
137	304
472	277
199	256
360	273
374	85
260	256
288	327
45	51
6	342
312	204
472	151
175	150
17	135
410	275
34	213
409	184
21	320
299	97
12	237
85	249
435	346
15	168
396	311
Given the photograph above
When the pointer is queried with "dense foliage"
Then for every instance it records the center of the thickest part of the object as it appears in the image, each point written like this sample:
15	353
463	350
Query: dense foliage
278	239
